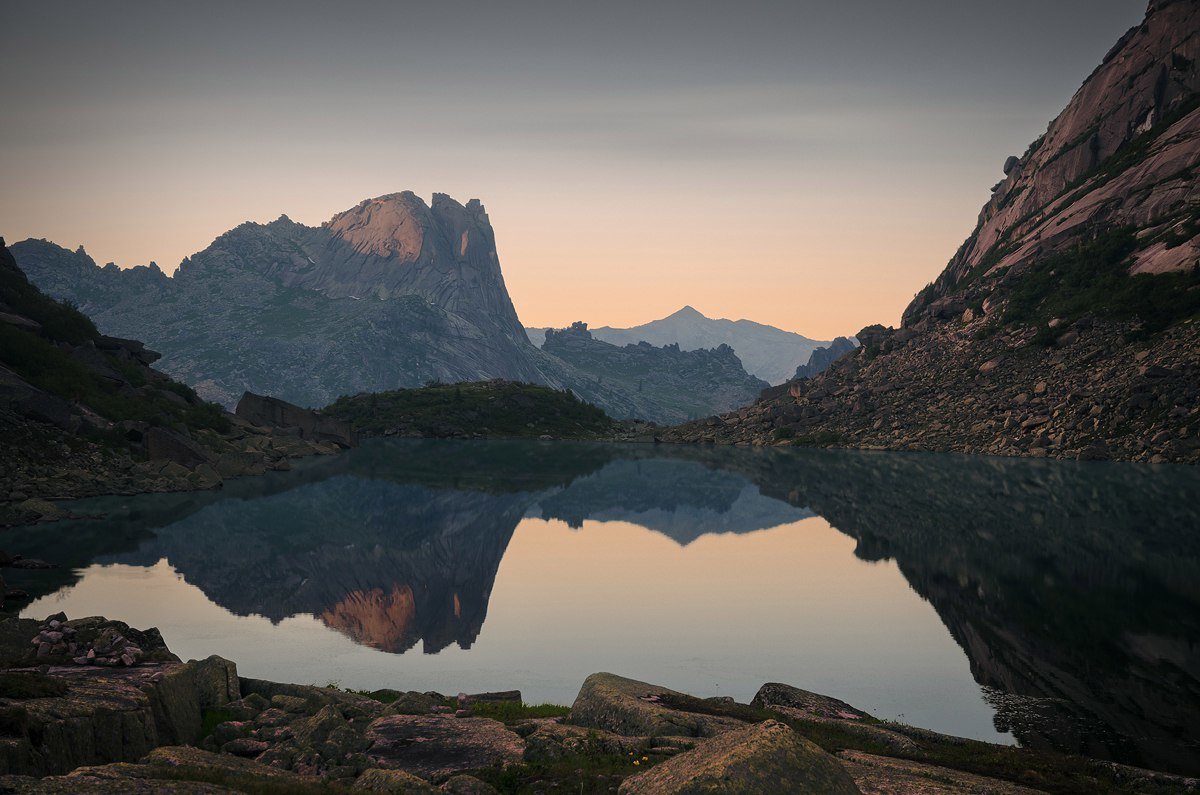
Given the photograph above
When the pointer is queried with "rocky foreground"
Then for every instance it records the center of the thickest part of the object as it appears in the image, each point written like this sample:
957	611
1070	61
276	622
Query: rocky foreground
95	705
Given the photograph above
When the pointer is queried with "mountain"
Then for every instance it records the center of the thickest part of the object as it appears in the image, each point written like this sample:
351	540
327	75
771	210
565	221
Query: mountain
665	384
767	352
390	293
1066	324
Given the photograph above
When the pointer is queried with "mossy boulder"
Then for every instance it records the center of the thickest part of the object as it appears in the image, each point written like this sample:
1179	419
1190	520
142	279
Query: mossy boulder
556	741
632	708
765	757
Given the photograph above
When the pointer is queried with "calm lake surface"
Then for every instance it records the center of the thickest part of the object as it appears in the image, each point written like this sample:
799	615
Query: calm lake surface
1052	604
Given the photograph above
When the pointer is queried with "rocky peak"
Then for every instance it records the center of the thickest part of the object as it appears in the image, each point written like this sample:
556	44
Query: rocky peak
576	331
391	226
688	312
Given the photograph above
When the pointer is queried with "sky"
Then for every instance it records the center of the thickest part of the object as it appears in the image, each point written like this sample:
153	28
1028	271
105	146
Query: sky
810	165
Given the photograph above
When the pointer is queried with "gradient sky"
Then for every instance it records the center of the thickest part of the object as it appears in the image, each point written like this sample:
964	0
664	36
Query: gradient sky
805	164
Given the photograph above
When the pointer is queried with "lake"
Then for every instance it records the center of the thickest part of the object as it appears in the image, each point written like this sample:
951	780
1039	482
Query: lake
1051	604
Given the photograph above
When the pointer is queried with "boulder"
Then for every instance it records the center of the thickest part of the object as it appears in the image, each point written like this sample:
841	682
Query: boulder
764	757
110	715
775	694
434	746
947	308
309	425
874	334
627	706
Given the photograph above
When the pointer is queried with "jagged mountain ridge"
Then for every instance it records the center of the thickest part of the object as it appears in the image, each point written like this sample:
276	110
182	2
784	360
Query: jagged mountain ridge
389	294
1066	324
769	353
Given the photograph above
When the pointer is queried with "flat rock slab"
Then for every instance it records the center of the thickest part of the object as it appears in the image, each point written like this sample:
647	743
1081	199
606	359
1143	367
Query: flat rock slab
174	769
435	746
774	694
764	757
632	708
880	775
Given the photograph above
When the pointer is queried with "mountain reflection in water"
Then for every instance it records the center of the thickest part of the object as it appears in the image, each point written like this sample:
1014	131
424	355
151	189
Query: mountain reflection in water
1073	589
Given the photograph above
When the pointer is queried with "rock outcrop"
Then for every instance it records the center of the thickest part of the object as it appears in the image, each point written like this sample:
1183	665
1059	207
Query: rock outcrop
627	706
108	715
664	384
1066	324
272	412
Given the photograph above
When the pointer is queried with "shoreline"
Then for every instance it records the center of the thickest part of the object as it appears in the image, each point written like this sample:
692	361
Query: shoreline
46	508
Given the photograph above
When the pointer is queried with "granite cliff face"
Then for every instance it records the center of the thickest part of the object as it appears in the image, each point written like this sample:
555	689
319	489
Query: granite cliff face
1066	324
389	293
1121	154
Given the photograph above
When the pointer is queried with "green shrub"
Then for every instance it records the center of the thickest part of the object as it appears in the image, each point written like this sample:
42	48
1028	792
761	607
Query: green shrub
1093	278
